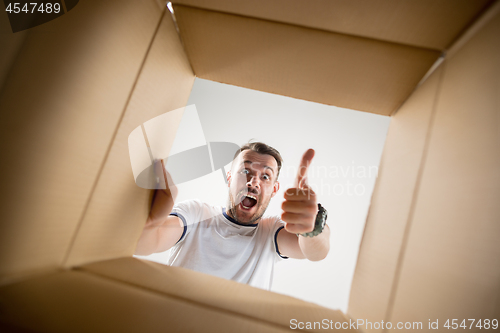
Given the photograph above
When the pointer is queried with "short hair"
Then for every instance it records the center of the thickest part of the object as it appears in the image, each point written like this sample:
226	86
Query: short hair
262	148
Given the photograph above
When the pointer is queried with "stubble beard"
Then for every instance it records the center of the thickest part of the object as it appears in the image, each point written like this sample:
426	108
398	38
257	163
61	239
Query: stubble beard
260	212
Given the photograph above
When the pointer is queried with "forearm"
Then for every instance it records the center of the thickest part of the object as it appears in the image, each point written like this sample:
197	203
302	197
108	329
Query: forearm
149	239
316	248
158	224
163	203
159	236
163	199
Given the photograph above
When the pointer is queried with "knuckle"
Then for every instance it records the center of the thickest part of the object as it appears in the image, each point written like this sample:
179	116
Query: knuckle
285	217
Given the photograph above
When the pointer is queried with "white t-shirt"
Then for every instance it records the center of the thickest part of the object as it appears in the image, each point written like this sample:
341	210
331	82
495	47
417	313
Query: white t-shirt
216	244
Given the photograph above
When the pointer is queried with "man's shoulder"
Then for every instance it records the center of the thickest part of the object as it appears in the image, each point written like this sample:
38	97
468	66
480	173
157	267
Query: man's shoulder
194	203
271	222
198	208
270	219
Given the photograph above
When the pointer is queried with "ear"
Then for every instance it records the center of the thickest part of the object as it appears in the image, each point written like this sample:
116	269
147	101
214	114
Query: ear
276	188
228	177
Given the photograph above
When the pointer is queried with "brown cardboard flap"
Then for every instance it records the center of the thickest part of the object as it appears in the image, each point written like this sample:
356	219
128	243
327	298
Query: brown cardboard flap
310	64
424	23
82	302
387	220
210	291
444	264
10	44
60	109
451	268
118	208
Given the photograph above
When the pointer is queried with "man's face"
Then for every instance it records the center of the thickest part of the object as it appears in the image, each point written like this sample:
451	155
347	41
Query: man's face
252	184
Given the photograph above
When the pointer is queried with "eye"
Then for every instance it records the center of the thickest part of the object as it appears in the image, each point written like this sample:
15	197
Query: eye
266	177
245	171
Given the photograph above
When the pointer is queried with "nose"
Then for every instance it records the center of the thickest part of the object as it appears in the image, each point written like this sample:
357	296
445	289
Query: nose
253	181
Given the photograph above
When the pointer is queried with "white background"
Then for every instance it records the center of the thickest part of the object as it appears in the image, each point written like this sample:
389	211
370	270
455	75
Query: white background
348	147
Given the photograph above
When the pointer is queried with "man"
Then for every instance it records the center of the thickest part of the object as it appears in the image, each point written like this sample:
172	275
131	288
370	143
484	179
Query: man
237	242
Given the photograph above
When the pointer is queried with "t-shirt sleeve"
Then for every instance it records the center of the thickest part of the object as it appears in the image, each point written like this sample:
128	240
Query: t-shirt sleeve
277	228
190	213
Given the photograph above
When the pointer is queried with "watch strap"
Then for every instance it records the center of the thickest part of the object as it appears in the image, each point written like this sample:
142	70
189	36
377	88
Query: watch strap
319	224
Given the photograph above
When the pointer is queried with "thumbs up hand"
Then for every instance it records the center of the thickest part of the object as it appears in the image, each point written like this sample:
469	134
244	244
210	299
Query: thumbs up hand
300	206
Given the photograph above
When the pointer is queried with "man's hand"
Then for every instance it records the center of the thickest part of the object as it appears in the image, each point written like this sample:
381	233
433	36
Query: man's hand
300	206
299	213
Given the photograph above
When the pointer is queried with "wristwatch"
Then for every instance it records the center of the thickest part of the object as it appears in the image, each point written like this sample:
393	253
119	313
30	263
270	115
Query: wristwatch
319	225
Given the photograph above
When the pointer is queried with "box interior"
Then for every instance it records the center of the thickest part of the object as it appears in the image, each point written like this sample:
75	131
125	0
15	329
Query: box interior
73	89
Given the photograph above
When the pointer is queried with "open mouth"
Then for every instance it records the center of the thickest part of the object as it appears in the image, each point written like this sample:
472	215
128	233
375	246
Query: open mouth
248	201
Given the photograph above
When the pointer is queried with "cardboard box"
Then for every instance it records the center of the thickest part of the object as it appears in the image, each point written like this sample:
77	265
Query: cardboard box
74	88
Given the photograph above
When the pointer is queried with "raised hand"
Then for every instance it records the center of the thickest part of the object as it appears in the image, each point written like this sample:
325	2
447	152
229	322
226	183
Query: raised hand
300	206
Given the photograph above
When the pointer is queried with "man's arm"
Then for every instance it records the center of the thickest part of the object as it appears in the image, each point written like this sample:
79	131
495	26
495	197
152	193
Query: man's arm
299	212
162	230
159	236
300	247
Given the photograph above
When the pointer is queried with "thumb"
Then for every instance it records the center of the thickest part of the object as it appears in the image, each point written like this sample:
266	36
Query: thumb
301	180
